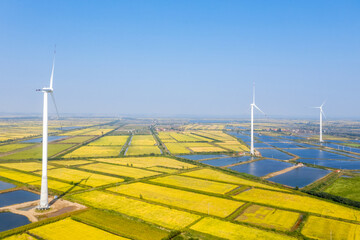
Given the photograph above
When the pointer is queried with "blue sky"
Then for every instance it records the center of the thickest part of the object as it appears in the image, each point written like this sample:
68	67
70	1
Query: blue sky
182	57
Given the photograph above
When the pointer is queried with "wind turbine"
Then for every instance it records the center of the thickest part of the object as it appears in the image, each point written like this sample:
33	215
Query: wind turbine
252	105
44	204
321	115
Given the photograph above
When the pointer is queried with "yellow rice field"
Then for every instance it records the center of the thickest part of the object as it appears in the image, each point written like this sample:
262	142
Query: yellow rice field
94	151
69	229
143	140
163	169
22	236
18	176
69	162
269	217
300	203
135	150
162	216
85	178
196	184
324	228
110	141
25	166
188	200
97	132
58	186
210	174
228	230
120	170
176	148
145	162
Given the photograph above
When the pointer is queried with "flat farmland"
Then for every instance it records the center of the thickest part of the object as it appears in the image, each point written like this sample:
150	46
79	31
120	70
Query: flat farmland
120	170
269	217
173	197
85	178
120	225
228	230
110	140
18	176
22	236
207	149
69	162
69	229
94	151
143	140
14	146
135	150
162	216
176	148
79	139
300	203
145	162
324	228
97	131
36	152
346	187
58	186
196	184
163	169
211	174
25	166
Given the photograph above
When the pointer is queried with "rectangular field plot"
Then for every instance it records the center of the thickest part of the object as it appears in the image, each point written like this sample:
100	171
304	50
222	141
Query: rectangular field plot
79	139
237	147
121	225
25	166
324	228
70	162
346	187
110	140
69	229
196	184
143	140
227	230
97	131
176	148
82	177
210	174
145	162
135	150
163	169
300	203
207	149
120	170
188	200
162	216
269	217
94	151
58	186
14	146
18	176
36	152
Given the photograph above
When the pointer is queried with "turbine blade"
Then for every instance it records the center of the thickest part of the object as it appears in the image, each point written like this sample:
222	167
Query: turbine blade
323	113
52	71
323	103
53	98
259	109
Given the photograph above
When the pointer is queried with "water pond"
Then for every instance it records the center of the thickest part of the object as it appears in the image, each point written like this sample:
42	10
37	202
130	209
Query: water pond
5	185
274	153
284	145
243	137
262	168
226	161
16	197
300	177
10	220
261	145
316	153
201	156
340	164
39	140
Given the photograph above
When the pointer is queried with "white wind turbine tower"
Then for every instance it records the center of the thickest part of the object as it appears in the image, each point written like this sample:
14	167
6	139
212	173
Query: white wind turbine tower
252	105
321	115
44	184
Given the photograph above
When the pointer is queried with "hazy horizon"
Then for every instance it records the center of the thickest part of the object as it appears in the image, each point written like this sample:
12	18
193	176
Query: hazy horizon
185	58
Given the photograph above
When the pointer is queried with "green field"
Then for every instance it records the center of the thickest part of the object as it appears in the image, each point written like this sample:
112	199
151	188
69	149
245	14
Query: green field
120	225
135	150
95	151
78	139
36	152
15	146
346	187
143	140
